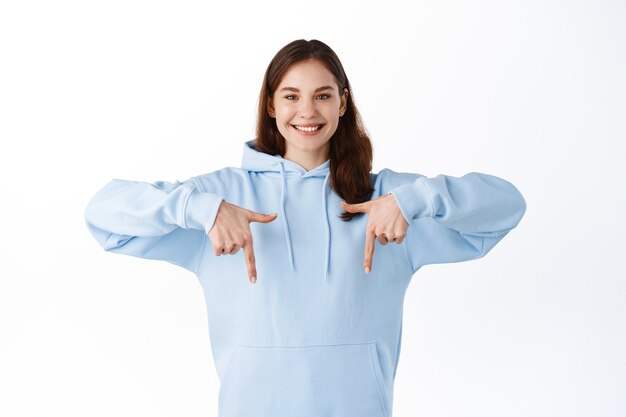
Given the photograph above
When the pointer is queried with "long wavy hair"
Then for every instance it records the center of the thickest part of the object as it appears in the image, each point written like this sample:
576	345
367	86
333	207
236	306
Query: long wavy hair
350	146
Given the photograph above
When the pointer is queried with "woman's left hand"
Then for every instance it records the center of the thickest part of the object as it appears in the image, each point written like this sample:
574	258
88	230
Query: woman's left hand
385	222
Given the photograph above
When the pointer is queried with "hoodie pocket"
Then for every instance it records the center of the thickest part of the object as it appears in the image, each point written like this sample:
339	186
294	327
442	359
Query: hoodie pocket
306	381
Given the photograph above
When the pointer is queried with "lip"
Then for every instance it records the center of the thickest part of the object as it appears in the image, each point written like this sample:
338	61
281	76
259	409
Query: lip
313	133
309	124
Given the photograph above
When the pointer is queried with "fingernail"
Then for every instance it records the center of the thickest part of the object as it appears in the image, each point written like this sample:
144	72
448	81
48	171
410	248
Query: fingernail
367	269
253	279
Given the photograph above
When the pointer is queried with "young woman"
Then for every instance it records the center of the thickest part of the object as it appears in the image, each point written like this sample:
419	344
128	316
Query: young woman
319	332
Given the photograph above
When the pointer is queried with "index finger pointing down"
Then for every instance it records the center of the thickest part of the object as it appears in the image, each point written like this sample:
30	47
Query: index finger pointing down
370	240
250	261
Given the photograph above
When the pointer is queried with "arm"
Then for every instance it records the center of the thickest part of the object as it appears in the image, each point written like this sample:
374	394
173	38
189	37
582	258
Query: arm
455	219
162	220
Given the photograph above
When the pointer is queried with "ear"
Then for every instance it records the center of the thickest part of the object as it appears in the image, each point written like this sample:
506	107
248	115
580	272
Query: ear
344	100
270	107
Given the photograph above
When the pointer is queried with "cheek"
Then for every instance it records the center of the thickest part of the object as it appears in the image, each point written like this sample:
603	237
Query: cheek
284	113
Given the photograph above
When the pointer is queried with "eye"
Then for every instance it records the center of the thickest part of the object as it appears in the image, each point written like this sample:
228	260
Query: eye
324	95
290	95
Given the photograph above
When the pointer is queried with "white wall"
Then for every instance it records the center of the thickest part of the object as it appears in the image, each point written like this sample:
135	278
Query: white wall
531	91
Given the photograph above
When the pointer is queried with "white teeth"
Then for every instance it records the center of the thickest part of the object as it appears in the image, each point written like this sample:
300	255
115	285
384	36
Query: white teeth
308	129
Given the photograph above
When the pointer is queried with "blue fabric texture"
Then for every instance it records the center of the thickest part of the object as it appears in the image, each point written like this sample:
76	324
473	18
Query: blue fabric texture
314	336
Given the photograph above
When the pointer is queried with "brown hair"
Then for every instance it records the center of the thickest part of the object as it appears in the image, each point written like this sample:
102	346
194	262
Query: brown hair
350	146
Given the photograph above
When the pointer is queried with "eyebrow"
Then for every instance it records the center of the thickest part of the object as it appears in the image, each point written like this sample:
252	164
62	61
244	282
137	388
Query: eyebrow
326	87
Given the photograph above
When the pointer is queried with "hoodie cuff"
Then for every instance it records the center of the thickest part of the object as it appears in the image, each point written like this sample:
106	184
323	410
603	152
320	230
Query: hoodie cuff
201	210
414	199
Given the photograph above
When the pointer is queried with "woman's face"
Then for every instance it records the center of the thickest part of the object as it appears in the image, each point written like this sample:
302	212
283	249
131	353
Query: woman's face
307	96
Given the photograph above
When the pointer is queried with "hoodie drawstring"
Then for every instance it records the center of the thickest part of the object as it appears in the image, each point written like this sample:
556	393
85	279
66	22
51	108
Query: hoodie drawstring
284	216
283	197
327	227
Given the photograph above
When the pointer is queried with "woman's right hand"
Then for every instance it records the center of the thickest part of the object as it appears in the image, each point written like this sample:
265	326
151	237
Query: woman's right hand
231	232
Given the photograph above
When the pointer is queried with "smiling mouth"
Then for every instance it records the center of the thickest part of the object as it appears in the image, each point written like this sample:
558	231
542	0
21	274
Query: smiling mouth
310	128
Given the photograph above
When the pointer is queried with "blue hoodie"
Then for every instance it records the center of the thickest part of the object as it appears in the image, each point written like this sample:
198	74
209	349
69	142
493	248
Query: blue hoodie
314	336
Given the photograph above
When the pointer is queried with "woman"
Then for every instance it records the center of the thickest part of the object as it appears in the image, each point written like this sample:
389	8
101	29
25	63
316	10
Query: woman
317	335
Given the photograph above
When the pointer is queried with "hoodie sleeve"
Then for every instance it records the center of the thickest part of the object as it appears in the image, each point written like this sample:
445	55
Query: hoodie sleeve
162	220
455	219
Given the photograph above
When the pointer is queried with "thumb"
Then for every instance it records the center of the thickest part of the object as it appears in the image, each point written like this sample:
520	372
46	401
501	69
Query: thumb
355	208
262	218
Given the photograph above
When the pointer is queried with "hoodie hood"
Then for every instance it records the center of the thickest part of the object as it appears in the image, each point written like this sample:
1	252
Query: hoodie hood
254	160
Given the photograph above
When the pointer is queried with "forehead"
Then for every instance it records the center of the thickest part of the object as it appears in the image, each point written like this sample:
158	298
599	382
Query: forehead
307	74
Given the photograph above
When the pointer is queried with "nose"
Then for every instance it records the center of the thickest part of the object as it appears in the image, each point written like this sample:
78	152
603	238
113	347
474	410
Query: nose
308	109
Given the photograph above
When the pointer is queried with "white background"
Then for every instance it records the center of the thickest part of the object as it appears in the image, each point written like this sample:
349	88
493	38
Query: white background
531	91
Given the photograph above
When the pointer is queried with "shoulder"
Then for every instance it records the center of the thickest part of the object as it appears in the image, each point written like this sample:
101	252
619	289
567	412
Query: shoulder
387	179
220	179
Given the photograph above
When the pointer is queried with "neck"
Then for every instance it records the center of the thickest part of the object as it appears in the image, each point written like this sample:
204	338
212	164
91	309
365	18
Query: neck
308	160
